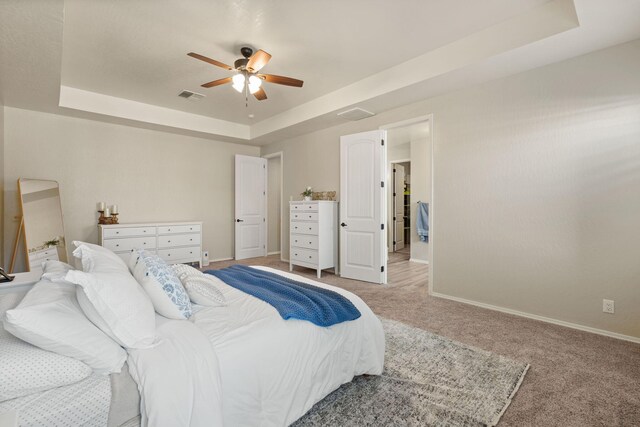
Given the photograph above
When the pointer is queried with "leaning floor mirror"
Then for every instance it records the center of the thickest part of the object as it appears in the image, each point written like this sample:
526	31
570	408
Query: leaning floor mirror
43	228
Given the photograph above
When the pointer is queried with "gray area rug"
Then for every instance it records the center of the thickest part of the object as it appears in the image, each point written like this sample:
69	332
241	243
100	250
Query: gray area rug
428	380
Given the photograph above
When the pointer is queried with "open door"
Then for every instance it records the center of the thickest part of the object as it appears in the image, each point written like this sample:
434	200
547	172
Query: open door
363	238
398	207
251	201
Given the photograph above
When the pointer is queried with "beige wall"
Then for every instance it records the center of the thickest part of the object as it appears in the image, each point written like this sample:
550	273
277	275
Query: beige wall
2	263
274	202
536	202
151	175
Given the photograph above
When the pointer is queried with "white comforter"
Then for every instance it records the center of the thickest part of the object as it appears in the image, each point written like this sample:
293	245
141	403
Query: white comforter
270	371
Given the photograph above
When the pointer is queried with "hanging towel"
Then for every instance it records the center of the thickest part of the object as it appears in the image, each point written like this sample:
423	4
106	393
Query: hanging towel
422	221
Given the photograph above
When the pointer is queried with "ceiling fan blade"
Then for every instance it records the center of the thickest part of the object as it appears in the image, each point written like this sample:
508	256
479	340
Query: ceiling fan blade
217	82
258	60
209	60
281	80
260	94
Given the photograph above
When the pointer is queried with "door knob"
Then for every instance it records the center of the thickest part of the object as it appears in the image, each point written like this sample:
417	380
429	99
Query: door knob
239	220
343	225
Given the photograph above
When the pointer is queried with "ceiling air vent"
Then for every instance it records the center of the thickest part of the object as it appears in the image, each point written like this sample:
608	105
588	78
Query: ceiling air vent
355	114
193	96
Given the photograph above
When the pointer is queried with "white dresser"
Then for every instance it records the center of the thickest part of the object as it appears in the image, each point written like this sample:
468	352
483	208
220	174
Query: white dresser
313	235
36	258
174	242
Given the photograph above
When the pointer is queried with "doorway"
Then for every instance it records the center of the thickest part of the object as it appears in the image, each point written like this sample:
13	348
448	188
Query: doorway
409	152
400	217
274	203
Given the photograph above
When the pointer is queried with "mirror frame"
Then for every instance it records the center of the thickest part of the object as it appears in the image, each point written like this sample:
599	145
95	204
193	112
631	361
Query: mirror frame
24	225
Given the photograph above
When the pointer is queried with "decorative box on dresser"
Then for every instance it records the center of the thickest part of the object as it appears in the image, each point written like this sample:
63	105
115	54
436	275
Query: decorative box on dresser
174	242
313	235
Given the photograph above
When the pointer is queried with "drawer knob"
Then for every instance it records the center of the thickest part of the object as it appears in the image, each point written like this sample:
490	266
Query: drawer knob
309	256
168	241
168	254
191	240
144	231
117	245
117	232
309	242
144	243
168	229
190	252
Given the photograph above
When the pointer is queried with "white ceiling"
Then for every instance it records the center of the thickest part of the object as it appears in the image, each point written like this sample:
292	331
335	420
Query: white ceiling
126	61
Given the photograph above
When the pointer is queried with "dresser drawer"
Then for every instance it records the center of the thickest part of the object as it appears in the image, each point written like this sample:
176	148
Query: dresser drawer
304	216
179	254
304	255
304	241
304	207
121	245
171	241
109	233
126	256
304	227
44	253
179	229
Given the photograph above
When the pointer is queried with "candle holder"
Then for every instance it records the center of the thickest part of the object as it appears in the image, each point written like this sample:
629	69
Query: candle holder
112	219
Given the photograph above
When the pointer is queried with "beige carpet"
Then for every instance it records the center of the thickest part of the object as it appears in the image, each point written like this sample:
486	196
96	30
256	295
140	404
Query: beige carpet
576	378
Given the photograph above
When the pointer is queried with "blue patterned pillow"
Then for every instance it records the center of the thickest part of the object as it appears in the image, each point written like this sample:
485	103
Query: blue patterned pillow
163	286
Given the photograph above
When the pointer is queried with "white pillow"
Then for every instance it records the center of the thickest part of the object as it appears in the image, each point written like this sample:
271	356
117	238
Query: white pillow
202	288
112	299
167	294
26	369
50	317
95	257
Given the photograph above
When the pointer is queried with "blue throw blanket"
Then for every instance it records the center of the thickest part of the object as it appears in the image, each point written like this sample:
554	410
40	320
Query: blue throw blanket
292	299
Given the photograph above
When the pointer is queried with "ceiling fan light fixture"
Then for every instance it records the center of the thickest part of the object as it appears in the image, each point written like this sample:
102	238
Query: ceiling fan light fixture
238	82
254	84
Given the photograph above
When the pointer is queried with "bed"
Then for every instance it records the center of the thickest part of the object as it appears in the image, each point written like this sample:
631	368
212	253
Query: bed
237	365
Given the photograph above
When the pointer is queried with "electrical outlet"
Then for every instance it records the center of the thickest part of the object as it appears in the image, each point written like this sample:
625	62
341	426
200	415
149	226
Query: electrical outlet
607	306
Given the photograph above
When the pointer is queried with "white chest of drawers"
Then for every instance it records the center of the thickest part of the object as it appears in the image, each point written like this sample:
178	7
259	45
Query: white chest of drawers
313	235
174	242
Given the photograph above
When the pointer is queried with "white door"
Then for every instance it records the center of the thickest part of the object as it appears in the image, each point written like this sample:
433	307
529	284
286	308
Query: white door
363	238
398	207
251	201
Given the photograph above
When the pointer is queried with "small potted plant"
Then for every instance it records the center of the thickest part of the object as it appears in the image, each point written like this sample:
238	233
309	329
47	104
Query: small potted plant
306	194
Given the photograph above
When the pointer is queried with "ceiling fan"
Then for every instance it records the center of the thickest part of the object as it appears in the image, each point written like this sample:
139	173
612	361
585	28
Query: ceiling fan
247	79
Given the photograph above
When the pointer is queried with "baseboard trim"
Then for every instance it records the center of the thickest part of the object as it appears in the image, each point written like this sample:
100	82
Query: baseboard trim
273	253
541	318
220	259
419	261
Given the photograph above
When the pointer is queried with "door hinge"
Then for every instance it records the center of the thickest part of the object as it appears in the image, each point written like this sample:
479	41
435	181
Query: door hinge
382	142
382	269
394	170
382	184
381	226
394	218
394	242
394	194
264	220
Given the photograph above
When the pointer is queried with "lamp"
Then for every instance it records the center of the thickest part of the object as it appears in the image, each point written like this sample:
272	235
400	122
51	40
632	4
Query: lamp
238	82
254	84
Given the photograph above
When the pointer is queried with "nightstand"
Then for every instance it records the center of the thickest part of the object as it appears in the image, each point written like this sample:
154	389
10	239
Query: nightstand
22	282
